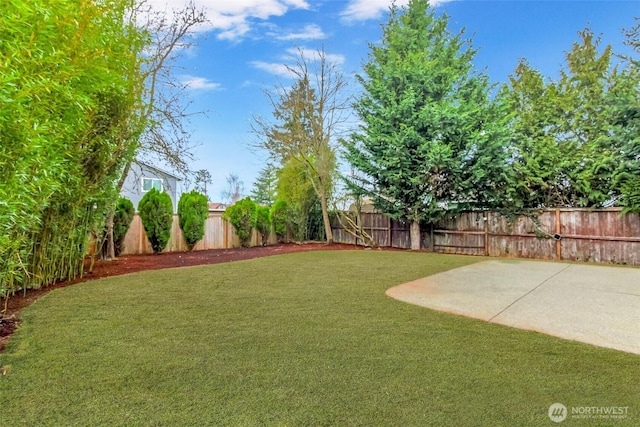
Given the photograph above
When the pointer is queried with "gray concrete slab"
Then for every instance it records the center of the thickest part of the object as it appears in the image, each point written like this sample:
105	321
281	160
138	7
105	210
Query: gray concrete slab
599	305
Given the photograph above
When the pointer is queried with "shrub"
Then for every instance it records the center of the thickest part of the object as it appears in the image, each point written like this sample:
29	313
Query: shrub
121	221
262	223
156	213
241	216
278	216
193	210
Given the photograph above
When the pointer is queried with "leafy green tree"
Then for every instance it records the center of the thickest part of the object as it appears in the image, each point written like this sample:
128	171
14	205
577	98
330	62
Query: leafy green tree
156	212
262	222
278	216
121	222
193	210
241	216
295	190
431	140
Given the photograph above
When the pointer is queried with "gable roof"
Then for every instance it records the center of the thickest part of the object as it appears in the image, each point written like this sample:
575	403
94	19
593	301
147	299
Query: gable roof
157	169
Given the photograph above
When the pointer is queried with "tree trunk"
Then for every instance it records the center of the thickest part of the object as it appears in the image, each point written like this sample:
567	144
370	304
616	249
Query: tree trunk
111	247
415	235
325	219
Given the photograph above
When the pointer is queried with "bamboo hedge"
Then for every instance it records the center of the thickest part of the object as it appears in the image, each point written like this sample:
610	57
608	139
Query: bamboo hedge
69	94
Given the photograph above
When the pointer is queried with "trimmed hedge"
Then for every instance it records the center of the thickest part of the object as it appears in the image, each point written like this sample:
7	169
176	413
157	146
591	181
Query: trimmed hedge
193	210
121	221
156	213
241	216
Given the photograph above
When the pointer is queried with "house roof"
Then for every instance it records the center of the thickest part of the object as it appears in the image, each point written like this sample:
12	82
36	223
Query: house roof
217	206
157	169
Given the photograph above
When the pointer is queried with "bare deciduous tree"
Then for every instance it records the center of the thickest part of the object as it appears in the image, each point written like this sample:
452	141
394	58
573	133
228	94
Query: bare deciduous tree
306	121
202	178
234	190
164	116
160	124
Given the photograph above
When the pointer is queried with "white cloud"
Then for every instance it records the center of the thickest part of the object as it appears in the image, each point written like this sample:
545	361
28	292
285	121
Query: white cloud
309	32
232	19
362	10
290	57
313	55
277	69
199	83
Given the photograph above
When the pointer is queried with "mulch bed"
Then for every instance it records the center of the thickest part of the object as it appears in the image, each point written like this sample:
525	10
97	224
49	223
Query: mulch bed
133	263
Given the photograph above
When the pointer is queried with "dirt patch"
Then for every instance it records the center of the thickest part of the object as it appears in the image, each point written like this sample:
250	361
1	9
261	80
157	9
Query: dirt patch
133	263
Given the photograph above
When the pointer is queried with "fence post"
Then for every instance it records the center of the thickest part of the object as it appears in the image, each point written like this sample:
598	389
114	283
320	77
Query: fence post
432	242
226	233
485	217
558	230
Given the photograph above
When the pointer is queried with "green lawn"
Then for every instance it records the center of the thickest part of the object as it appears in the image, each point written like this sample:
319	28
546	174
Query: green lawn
306	339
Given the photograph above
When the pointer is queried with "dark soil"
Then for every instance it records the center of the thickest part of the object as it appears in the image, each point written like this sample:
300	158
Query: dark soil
9	319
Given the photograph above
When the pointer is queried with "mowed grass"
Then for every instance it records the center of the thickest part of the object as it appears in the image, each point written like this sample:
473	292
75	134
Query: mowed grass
306	339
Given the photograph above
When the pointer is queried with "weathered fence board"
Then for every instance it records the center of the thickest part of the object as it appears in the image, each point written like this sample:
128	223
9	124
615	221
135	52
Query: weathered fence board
597	235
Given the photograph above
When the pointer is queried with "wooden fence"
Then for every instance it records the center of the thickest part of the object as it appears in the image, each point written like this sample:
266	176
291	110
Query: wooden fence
595	235
218	234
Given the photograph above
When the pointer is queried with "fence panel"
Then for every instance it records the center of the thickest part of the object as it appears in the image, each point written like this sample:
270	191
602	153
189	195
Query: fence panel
218	234
522	238
598	235
463	234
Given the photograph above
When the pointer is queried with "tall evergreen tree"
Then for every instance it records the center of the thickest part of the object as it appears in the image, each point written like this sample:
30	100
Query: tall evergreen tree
585	123
431	141
624	99
264	188
571	136
541	165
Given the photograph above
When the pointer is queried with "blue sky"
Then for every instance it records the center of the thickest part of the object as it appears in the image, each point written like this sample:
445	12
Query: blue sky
242	51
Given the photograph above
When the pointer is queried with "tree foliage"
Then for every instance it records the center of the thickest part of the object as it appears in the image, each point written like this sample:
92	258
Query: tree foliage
156	212
624	99
296	192
573	138
264	188
431	140
262	223
241	216
278	217
193	210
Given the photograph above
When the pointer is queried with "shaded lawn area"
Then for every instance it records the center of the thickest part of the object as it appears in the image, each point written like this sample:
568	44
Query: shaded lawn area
301	339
